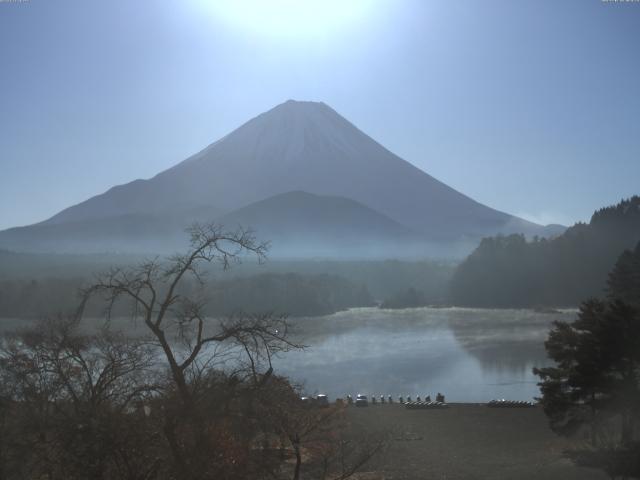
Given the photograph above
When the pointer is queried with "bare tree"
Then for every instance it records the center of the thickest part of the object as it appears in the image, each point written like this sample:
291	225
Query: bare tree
154	290
69	404
318	439
175	316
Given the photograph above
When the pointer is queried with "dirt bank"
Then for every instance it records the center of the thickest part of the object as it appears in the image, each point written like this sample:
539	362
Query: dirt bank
466	441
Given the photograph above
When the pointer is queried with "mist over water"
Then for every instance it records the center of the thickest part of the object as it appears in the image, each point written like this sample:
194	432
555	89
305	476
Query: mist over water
470	355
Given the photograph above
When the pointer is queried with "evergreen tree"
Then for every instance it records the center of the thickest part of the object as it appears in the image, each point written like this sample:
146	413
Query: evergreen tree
624	279
595	382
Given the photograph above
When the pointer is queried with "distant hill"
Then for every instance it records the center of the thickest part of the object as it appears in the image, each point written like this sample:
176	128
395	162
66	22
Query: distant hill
300	224
509	271
296	146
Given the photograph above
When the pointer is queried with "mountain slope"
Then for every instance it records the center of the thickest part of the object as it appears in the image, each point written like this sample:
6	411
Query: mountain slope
127	233
296	223
303	146
300	224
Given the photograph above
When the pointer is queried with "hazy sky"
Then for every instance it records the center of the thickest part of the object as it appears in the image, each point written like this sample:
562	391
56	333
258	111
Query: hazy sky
531	107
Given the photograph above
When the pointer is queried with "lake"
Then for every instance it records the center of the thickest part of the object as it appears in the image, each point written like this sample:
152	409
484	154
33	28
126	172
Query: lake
470	355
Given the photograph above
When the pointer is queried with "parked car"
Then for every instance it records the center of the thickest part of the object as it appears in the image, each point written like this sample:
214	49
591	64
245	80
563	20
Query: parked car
322	400
362	401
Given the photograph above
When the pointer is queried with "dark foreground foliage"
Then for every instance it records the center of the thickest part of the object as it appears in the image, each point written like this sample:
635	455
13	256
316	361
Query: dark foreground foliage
595	383
99	406
616	461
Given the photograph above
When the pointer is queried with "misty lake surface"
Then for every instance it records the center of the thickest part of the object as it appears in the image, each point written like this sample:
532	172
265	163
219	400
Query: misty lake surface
470	355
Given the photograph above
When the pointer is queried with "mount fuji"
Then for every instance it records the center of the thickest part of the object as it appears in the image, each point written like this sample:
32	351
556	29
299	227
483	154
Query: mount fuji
296	173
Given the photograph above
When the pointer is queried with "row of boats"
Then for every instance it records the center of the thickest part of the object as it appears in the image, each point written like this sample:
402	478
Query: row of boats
389	399
364	400
502	403
424	405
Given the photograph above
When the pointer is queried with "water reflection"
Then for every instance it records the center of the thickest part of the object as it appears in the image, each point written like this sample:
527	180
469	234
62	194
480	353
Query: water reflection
468	354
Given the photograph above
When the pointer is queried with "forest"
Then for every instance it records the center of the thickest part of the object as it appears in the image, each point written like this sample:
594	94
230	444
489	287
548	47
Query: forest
32	286
511	271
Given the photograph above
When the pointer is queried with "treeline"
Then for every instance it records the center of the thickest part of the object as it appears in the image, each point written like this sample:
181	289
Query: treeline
383	278
292	294
36	298
410	298
289	293
35	285
509	271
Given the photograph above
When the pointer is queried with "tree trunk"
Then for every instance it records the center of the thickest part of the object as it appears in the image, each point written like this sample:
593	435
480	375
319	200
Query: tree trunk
627	427
176	372
176	452
296	449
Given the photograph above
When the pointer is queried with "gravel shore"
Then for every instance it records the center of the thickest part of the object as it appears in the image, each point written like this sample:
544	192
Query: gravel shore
465	441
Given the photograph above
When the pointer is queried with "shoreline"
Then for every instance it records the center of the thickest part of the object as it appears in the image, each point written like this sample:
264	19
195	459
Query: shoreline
466	441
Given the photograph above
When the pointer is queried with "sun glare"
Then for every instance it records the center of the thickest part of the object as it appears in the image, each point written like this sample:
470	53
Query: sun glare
288	18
